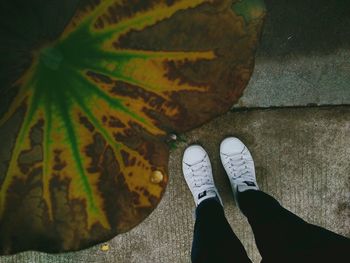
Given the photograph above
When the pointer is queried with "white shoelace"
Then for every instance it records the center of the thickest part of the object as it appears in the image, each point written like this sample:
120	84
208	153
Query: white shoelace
238	165
200	172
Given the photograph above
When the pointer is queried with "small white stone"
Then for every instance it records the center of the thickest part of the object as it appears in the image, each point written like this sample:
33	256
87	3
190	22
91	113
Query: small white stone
173	137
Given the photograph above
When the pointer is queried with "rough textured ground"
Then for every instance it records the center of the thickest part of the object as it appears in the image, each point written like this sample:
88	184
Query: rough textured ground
301	157
304	56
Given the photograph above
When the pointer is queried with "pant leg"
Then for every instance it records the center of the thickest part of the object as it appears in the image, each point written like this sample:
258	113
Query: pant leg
213	239
281	236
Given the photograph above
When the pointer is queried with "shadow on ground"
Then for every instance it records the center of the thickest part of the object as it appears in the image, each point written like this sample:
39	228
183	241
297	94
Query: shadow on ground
303	27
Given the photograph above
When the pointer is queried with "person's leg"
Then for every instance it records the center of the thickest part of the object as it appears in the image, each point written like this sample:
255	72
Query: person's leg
213	239
281	236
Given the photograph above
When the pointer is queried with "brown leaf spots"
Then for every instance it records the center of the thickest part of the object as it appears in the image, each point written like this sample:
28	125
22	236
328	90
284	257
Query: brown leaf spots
86	123
8	134
129	138
28	158
151	198
126	9
114	122
151	148
144	191
59	164
170	2
135	198
127	90
99	23
95	152
133	136
99	78
126	159
156	102
150	99
104	119
195	29
186	72
146	144
70	215
25	224
119	200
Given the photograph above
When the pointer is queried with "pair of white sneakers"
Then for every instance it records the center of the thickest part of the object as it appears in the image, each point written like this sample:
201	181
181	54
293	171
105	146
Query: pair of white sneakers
235	158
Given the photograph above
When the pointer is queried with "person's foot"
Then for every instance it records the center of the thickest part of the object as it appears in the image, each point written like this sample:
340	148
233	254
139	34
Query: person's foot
239	165
197	171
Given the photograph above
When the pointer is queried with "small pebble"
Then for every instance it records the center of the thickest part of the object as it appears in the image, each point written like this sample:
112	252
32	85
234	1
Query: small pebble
105	247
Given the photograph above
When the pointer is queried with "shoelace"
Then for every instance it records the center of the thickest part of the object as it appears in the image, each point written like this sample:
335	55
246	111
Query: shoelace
200	173
237	165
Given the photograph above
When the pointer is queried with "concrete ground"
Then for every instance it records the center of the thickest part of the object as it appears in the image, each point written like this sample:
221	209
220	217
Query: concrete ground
301	158
301	153
304	56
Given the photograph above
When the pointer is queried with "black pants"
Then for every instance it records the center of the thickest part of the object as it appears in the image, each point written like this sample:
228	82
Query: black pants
280	235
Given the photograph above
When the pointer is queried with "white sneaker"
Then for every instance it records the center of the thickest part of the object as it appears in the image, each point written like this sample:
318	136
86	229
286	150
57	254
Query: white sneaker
197	171
239	165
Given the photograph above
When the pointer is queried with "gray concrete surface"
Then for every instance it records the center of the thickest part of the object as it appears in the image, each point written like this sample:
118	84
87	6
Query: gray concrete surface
299	81
304	56
301	157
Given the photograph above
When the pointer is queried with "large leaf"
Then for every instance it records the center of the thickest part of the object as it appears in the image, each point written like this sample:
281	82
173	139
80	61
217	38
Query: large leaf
90	93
